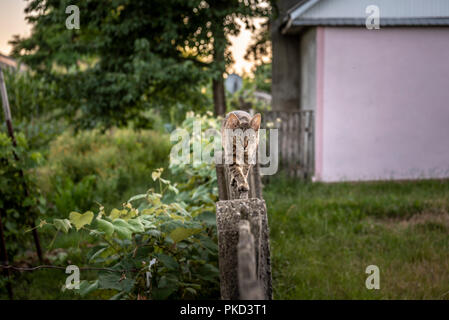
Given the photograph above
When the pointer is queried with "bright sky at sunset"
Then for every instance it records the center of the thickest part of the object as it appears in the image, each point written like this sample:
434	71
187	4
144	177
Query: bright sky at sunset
12	21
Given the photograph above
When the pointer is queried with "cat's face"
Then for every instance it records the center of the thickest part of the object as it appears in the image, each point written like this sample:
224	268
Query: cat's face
245	129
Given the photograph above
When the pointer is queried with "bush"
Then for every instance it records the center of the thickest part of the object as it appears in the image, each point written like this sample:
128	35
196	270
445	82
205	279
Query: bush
161	244
100	167
19	202
158	249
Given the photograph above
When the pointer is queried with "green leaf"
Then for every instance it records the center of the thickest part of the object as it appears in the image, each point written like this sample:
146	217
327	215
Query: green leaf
137	197
173	188
95	252
182	233
105	226
126	215
114	280
168	261
166	286
208	272
137	226
179	208
208	218
148	211
123	229
115	213
80	220
117	296
162	293
87	287
62	225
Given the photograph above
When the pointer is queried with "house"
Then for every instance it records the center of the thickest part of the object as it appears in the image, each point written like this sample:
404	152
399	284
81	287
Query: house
379	92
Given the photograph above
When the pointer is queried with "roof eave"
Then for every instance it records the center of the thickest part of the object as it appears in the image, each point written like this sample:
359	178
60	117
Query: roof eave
296	26
294	12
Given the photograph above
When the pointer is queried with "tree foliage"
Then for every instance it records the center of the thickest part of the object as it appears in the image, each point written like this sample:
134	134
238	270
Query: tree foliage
130	56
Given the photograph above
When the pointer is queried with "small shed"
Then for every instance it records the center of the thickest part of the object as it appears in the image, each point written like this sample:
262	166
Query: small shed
380	97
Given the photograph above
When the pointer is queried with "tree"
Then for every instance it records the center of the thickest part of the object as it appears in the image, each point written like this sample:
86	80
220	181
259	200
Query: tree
260	46
131	56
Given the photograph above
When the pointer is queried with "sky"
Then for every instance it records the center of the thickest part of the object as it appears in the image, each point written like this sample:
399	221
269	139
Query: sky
12	21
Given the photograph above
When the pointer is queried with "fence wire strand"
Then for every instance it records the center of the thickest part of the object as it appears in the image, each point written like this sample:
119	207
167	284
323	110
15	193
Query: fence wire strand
10	267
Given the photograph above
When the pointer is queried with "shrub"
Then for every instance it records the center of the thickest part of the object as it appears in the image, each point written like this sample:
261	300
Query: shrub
19	202
100	167
158	248
159	245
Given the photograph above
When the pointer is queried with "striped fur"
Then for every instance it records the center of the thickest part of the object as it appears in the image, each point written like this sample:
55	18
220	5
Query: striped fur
244	130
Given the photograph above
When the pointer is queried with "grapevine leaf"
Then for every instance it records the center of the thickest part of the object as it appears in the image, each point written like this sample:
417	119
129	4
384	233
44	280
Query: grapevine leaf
114	280
123	229
115	213
168	261
182	233
80	220
87	287
62	225
136	225
105	226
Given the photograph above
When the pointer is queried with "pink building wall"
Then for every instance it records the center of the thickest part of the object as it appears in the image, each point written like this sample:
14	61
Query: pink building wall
382	104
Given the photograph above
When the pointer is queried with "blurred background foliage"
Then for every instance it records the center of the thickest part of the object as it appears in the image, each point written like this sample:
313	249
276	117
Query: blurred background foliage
129	57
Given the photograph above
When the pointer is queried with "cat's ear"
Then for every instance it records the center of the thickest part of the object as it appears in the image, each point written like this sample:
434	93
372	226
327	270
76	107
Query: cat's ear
233	122
255	122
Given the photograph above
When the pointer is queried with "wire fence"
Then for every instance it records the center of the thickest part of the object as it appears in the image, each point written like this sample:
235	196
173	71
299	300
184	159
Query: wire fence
10	267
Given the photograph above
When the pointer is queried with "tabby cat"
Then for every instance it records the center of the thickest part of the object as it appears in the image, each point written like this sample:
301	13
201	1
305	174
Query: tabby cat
240	138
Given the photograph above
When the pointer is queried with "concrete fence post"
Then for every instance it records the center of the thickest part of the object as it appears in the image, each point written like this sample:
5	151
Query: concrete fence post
244	251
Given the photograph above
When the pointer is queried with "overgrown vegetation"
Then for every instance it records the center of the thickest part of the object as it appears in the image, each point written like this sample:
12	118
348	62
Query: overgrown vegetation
171	227
93	167
160	248
20	200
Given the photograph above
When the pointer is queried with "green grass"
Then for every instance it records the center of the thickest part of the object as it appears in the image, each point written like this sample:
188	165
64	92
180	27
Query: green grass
323	236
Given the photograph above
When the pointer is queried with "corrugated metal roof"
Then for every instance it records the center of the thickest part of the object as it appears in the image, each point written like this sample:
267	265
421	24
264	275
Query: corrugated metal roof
353	13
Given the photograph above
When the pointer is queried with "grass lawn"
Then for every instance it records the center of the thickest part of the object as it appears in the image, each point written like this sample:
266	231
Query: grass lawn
323	236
